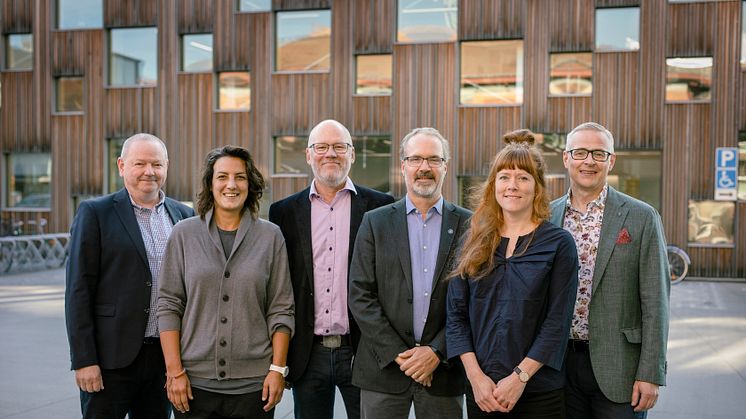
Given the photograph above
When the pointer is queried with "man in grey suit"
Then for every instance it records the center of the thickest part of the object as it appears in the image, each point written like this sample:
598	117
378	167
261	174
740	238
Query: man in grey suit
616	357
402	256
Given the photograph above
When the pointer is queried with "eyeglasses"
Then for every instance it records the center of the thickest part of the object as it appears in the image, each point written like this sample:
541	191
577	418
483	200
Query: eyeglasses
339	148
416	161
582	154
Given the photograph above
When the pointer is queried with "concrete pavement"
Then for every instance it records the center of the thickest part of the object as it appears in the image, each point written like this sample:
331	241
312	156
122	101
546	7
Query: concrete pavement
706	352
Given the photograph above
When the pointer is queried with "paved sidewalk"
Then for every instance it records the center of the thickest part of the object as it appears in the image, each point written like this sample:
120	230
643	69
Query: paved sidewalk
706	352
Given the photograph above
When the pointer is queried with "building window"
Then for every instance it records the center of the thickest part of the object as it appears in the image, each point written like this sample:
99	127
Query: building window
492	72
69	94
688	79
80	14
113	151
303	40
618	29
133	57
638	174
19	51
427	21
711	222
234	90
290	156
373	74
254	5
28	180
196	53
571	74
372	162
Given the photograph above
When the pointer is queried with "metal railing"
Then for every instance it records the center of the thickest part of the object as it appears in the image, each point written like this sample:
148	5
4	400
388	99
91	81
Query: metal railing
33	252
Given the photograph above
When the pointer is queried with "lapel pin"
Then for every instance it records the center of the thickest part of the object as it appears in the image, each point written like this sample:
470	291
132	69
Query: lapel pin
450	231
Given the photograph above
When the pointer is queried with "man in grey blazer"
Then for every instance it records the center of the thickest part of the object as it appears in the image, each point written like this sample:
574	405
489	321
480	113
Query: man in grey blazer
616	357
398	288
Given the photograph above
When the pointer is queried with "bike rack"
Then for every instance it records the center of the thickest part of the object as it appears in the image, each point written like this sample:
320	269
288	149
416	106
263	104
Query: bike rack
33	252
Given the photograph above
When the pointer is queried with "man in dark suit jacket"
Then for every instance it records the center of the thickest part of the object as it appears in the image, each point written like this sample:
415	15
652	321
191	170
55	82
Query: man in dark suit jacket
616	357
398	289
320	224
116	247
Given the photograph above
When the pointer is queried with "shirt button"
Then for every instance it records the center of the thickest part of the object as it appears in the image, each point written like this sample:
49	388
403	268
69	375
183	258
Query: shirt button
327	290
330	248
223	342
424	225
327	330
328	269
147	284
147	310
221	374
425	269
227	274
425	294
223	320
327	311
221	362
424	247
226	298
331	228
331	209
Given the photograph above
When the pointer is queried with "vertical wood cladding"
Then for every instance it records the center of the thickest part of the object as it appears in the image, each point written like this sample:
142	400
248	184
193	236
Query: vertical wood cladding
628	94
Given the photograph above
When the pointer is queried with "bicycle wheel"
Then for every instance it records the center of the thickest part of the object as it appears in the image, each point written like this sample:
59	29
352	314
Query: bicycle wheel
6	257
678	266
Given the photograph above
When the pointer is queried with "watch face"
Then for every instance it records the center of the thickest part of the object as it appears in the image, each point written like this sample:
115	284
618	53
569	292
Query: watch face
523	376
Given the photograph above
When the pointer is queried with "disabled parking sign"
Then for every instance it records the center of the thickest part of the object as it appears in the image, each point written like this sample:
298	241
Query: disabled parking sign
726	173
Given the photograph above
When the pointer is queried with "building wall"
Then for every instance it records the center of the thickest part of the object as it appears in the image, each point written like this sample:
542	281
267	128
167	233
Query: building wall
628	94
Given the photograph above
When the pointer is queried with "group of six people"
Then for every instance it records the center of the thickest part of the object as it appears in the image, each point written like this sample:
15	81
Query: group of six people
531	309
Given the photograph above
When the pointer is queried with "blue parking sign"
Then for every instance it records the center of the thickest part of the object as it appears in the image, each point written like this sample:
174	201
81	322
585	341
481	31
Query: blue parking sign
726	173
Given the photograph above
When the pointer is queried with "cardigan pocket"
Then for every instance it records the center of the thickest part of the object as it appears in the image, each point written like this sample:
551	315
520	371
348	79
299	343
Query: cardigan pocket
633	335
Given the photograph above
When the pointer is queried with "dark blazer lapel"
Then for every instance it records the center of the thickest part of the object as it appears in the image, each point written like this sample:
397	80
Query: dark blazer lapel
558	212
302	212
126	214
173	213
448	231
400	231
615	213
358	204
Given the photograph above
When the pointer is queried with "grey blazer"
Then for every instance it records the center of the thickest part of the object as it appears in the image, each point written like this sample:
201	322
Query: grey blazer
381	300
628	317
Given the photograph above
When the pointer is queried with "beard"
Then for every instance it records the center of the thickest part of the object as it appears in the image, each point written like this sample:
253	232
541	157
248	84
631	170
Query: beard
426	191
331	177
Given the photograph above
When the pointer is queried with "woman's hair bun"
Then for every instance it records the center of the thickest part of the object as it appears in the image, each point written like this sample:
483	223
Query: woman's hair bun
519	136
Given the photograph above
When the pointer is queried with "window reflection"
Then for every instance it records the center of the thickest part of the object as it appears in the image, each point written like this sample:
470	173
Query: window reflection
19	51
69	94
133	56
196	53
373	75
711	222
492	72
254	5
290	156
303	40
571	74
78	14
618	29
113	150
234	90
372	162
29	176
427	21
688	79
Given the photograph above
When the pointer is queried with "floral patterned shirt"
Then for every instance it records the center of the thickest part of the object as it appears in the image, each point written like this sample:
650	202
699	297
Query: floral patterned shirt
586	230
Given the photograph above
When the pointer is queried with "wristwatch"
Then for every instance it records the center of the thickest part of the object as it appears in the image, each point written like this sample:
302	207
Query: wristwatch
522	375
282	370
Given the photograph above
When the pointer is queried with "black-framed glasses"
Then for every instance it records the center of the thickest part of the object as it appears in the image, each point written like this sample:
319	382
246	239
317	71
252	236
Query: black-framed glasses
339	148
416	161
582	154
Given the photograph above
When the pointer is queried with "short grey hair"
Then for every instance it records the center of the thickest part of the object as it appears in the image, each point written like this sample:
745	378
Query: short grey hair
142	137
591	126
315	131
432	132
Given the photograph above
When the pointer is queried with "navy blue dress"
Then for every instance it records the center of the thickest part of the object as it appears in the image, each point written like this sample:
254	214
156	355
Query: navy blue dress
522	308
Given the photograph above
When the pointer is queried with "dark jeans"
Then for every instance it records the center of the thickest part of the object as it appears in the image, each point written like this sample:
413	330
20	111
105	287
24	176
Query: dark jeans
209	405
313	393
544	405
375	405
136	389
584	399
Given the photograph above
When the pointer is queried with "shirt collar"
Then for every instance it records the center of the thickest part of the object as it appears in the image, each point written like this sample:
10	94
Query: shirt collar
410	205
157	207
599	202
348	186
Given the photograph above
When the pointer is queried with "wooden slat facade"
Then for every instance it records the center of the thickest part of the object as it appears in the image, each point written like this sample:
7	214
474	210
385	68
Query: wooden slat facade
628	94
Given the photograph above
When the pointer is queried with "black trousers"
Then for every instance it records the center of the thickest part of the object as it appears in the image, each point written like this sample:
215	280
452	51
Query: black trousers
136	390
583	397
209	405
536	405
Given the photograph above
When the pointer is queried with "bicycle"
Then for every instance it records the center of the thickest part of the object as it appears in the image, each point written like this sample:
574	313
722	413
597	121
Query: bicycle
678	263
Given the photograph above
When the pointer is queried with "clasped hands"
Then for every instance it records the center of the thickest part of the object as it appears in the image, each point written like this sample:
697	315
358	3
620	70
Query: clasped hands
500	397
419	363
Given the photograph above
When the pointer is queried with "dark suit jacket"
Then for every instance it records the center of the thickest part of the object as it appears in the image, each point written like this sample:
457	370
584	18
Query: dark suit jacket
293	215
108	284
628	313
381	300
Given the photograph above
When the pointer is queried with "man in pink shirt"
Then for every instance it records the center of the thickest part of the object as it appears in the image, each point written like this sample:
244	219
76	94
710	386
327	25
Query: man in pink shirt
320	224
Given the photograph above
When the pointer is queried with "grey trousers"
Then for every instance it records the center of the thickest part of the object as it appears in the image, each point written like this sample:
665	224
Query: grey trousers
375	405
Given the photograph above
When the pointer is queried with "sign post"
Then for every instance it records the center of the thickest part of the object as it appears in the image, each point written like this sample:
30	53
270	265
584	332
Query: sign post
726	173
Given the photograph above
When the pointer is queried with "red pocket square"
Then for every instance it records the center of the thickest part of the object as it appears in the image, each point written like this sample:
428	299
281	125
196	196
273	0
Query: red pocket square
623	237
